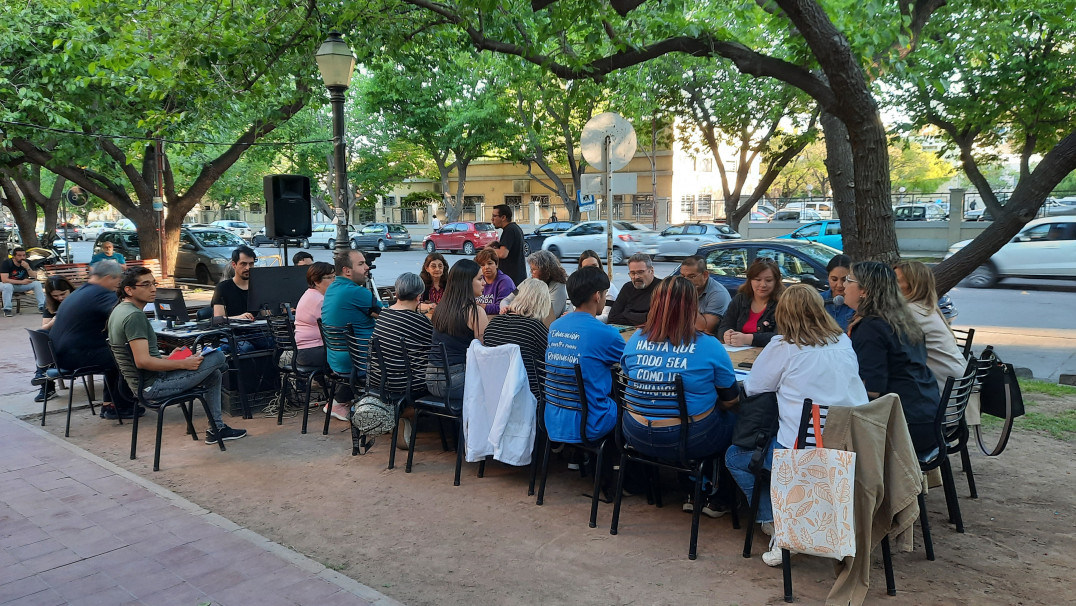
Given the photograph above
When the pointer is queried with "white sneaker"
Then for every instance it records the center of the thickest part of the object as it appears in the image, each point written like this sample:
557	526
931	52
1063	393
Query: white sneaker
767	527
403	439
773	556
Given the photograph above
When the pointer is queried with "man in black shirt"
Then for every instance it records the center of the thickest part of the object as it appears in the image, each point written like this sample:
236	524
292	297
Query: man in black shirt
15	277
230	296
511	253
633	303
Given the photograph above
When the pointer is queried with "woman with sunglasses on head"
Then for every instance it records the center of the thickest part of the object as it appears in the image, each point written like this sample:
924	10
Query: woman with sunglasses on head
749	320
891	348
837	270
433	273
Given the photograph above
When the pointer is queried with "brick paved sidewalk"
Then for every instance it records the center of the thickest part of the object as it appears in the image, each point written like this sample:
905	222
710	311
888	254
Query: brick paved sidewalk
75	529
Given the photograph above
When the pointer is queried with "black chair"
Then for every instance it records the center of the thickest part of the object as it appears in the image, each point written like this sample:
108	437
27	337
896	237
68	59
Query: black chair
660	400
806	438
358	350
252	333
390	382
283	331
45	357
964	339
335	339
159	406
562	387
951	436
423	356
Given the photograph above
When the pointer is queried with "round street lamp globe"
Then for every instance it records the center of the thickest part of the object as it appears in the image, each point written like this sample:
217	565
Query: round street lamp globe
335	61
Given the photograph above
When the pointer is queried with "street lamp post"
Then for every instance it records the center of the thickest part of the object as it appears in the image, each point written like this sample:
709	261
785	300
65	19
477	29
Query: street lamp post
336	63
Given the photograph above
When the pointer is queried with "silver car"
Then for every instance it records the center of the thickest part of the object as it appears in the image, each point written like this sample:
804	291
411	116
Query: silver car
628	239
683	240
382	236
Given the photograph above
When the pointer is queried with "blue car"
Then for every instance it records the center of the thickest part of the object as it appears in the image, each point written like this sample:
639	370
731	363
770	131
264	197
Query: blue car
822	232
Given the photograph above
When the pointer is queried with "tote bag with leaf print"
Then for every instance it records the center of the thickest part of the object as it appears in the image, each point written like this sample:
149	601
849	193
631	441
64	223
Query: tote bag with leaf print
811	492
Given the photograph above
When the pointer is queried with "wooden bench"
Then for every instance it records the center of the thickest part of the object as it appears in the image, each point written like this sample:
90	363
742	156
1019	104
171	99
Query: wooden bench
78	273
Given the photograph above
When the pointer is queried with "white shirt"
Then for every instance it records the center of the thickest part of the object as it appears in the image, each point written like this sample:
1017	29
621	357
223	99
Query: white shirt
436	223
828	375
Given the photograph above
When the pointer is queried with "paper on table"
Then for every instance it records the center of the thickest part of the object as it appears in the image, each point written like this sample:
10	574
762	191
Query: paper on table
730	348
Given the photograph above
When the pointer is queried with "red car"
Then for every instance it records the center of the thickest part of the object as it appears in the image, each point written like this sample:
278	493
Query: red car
462	236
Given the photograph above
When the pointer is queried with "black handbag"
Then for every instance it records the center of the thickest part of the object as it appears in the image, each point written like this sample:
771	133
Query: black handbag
999	396
756	424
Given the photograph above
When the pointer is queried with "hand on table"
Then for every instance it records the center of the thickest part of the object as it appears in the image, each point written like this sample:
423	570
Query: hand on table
737	339
244	316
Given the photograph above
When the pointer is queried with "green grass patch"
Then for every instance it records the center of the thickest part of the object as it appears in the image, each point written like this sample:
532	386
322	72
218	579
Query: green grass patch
1061	426
1046	388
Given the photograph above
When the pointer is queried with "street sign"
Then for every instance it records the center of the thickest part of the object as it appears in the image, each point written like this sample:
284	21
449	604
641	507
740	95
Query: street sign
587	203
622	141
621	183
158	203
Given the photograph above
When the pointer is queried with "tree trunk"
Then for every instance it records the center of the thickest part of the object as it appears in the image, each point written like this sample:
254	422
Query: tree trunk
840	169
23	209
461	185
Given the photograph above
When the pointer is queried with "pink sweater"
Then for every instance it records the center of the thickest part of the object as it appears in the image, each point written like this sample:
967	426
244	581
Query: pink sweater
307	313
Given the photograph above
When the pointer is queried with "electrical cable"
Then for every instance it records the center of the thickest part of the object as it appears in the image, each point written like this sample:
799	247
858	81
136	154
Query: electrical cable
65	131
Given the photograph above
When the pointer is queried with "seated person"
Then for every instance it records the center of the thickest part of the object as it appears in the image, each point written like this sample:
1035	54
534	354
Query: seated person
78	335
670	339
522	322
891	348
400	321
230	296
457	321
310	350
813	358
433	273
348	301
56	290
917	284
15	277
496	285
108	253
302	258
579	338
749	320
713	298
633	302
545	267
837	270
589	258
163	377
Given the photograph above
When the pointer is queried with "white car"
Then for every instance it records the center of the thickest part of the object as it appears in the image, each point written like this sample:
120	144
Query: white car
1044	249
324	234
126	223
239	228
94	229
628	239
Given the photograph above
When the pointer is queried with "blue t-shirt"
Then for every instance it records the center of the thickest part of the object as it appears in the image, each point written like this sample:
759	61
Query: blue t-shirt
841	313
347	302
117	257
704	365
580	338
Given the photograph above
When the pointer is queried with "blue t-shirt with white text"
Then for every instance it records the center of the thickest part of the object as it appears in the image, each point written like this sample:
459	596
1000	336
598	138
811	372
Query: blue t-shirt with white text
704	366
580	338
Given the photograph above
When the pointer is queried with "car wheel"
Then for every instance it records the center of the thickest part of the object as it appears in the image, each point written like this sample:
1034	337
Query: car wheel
331	244
618	256
201	273
305	243
431	247
381	246
468	248
555	251
984	276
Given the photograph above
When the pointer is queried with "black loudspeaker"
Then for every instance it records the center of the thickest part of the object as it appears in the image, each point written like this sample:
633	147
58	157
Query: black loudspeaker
287	206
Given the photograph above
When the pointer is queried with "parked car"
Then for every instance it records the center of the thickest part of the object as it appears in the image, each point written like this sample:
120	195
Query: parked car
95	228
1043	249
824	232
123	241
14	238
800	261
323	234
382	236
126	223
462	236
628	239
974	214
759	216
260	239
919	212
796	215
204	253
684	239
534	240
239	228
69	231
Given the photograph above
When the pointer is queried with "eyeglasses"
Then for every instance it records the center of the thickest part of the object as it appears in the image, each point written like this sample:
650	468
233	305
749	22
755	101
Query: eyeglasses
328	277
640	273
690	276
851	280
145	284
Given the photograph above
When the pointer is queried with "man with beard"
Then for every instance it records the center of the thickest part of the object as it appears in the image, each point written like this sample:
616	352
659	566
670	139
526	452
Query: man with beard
230	296
348	301
633	302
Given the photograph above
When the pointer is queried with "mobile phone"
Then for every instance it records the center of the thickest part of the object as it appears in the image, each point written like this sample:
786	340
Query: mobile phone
744	365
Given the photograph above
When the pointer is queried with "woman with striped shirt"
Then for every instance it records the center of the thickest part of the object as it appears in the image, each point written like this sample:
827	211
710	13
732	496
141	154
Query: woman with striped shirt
523	323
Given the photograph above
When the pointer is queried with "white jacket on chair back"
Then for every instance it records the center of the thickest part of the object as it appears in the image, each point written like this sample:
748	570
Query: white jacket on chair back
499	410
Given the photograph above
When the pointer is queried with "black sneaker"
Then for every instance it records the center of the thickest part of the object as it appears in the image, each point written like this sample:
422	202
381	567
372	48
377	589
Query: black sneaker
111	414
39	381
227	433
7	313
713	508
41	309
45	395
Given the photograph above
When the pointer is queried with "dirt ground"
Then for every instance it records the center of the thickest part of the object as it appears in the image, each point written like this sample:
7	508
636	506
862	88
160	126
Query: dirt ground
417	538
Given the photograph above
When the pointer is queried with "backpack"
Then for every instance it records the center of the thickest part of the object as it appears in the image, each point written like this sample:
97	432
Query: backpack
372	416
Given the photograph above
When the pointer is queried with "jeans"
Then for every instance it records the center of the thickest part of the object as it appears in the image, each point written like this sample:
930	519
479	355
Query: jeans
709	437
435	381
737	460
9	289
207	375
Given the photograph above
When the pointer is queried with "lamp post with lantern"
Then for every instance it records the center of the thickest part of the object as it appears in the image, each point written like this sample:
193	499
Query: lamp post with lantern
336	63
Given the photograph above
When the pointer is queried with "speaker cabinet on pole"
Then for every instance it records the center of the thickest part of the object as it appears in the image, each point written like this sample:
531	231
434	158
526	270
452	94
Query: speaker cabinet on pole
287	206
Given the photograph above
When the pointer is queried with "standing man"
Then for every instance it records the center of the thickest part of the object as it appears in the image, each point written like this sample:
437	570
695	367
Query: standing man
633	303
436	223
15	277
714	299
163	377
230	296
553	216
348	301
108	253
78	334
512	262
